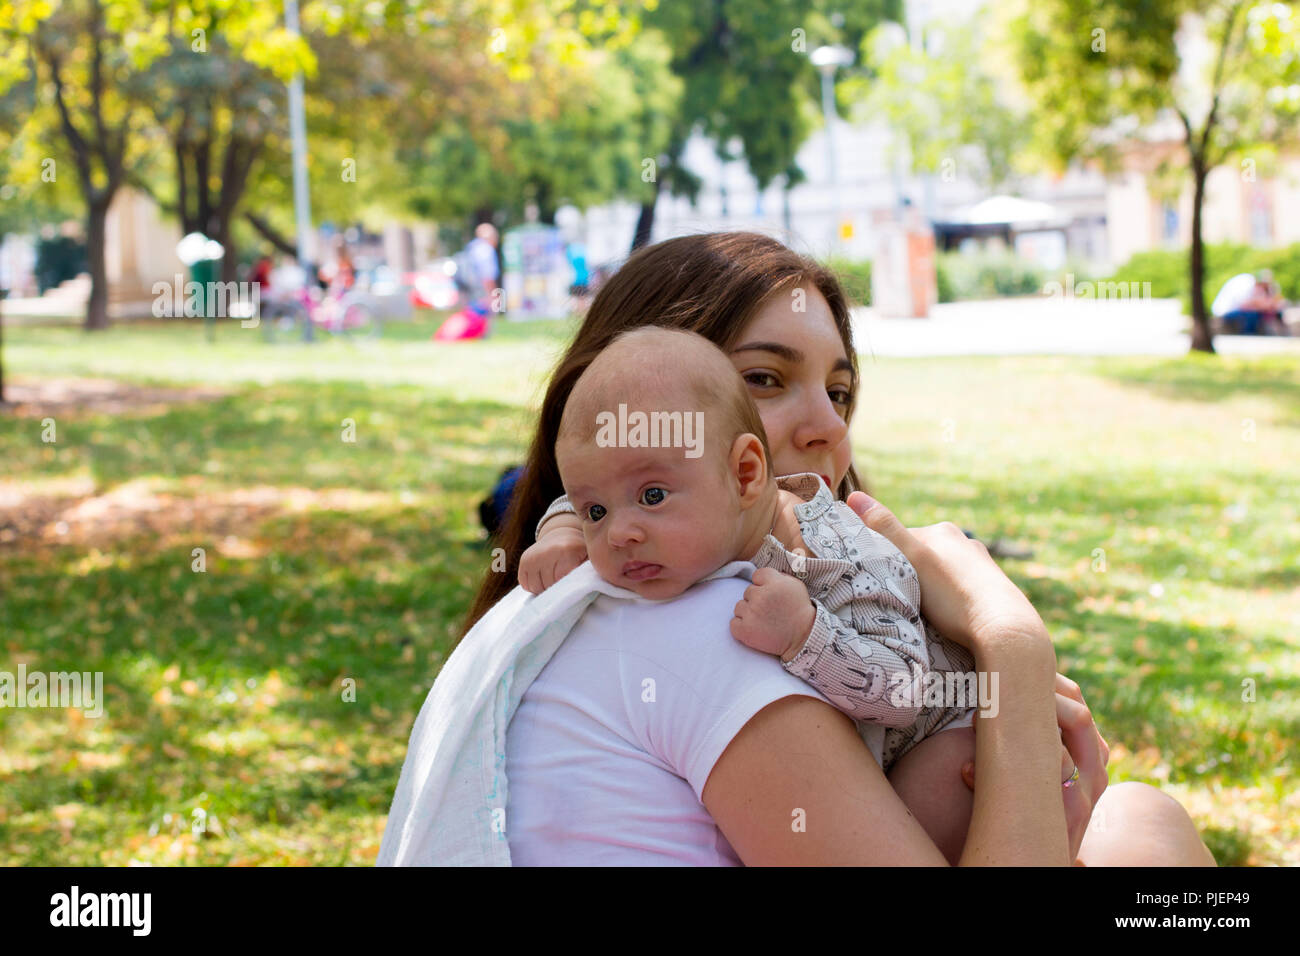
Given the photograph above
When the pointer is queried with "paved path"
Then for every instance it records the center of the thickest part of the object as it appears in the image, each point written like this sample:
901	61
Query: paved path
1048	326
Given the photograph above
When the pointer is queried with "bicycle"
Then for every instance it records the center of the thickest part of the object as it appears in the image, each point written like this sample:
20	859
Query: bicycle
338	314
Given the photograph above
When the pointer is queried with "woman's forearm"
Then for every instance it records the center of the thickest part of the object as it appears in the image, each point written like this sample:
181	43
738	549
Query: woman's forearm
1018	817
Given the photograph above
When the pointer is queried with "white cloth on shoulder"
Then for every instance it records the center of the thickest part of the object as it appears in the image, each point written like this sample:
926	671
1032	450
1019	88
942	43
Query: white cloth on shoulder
449	806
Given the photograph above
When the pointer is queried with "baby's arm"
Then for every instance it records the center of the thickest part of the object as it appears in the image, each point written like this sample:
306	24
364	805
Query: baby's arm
559	549
871	666
866	673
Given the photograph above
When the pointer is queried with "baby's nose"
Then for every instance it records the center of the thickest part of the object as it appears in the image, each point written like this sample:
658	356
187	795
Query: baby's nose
623	531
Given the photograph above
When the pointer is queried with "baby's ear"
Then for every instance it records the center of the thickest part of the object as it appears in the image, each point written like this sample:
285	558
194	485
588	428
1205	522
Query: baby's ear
748	465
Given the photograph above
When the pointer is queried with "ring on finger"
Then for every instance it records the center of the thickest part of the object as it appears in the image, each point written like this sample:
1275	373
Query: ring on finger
1074	778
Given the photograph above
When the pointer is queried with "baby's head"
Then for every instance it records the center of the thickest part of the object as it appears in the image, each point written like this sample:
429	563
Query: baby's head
663	456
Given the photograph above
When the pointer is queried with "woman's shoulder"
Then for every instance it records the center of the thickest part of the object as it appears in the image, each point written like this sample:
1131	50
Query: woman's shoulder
686	685
705	606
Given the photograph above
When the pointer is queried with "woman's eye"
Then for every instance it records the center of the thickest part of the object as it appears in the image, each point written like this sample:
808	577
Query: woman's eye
841	396
653	496
761	379
595	512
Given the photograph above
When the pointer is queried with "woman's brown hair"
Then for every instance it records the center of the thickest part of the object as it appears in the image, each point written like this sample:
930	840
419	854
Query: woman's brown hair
711	284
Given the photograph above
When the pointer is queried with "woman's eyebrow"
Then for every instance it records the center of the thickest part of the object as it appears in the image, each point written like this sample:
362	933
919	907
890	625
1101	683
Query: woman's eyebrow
785	351
791	355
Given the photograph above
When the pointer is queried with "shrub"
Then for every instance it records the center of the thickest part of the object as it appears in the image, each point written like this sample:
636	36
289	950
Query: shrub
58	259
1168	271
855	277
986	275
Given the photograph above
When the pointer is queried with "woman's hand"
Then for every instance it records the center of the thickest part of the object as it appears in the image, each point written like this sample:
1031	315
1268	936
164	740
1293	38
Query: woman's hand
1090	753
964	594
1084	748
554	555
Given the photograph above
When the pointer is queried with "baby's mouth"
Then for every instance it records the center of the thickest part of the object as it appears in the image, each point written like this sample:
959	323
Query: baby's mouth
641	570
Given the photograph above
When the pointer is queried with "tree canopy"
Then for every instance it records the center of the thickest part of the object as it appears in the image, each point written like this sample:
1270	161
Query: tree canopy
1103	74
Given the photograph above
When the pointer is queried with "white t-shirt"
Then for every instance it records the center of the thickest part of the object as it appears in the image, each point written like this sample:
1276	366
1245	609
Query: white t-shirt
1234	293
611	746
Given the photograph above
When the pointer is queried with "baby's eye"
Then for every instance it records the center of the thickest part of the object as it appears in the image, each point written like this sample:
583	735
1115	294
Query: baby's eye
595	512
653	496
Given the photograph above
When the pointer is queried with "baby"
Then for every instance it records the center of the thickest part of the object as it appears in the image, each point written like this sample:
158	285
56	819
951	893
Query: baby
681	485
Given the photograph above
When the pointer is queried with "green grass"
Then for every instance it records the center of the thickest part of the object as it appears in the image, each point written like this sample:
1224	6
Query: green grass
1161	499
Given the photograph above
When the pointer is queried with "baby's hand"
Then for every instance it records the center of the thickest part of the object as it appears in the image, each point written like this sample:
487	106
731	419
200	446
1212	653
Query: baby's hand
775	615
555	554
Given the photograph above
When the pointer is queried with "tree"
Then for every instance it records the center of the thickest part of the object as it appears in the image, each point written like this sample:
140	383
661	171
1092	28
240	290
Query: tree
81	56
748	80
141	89
940	96
217	95
570	119
31	195
595	134
1101	71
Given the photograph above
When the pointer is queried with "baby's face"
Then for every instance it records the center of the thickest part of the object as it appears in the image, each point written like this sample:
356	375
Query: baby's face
655	521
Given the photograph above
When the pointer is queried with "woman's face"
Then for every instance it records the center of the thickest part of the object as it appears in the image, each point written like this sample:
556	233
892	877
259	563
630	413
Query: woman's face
801	380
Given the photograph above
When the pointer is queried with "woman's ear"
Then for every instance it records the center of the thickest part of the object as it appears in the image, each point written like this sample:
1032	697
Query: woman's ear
748	465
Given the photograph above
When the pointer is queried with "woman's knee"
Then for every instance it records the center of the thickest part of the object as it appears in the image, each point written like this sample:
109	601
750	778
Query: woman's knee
1136	824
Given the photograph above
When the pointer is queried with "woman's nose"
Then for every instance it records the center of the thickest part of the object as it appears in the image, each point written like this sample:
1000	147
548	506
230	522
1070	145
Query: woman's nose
824	425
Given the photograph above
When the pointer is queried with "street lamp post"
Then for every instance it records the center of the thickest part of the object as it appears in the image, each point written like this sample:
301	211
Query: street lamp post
298	133
827	59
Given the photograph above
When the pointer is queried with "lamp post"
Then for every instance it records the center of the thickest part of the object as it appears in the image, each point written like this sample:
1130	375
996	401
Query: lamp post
827	59
298	133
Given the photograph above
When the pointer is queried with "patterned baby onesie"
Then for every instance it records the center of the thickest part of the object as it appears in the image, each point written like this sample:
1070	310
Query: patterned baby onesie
870	650
868	601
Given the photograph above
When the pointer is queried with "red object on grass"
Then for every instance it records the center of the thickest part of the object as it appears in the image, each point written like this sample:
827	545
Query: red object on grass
465	325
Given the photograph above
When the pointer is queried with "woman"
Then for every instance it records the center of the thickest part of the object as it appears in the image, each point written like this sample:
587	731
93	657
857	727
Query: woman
725	758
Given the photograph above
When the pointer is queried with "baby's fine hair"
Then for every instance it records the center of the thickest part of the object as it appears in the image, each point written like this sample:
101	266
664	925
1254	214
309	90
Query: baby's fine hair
648	368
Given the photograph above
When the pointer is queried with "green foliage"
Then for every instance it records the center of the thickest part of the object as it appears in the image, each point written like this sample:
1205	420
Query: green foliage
944	101
986	275
609	122
747	78
1167	271
855	276
57	259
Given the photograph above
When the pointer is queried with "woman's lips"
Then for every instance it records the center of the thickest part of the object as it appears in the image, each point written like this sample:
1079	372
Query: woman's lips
641	570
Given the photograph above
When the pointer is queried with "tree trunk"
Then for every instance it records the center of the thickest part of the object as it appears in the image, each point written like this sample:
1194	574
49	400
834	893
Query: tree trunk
2	342
1202	334
645	223
97	307
229	259
545	204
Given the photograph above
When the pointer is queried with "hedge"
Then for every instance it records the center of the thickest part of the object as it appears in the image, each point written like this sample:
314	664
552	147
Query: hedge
1168	271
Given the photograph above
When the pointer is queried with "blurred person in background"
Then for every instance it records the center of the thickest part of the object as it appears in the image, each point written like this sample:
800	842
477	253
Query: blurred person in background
481	254
341	273
1251	302
478	273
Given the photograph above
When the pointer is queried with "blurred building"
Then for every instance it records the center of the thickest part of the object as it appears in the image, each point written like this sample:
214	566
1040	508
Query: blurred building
1088	218
1245	201
850	218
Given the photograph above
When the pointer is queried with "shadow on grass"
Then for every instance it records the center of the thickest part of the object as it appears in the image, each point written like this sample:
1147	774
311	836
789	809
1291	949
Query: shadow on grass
329	434
1168	529
256	713
1214	379
1210	712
